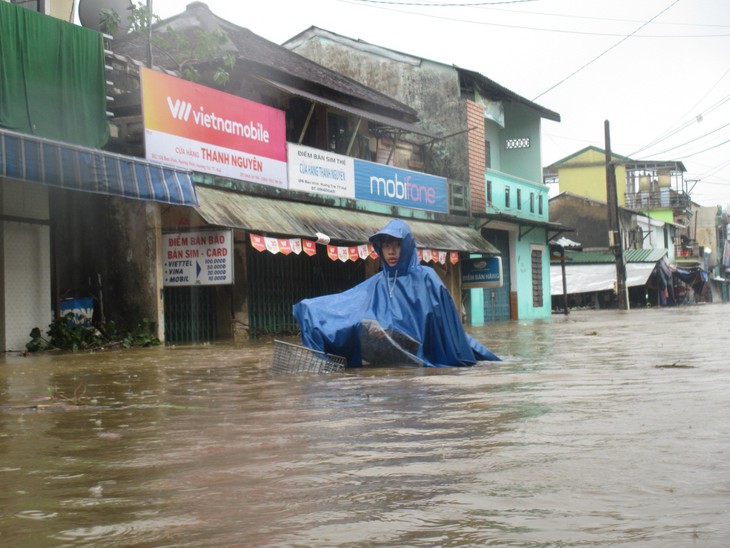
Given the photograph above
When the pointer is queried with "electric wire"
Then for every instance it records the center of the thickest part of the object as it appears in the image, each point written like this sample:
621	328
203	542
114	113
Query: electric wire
528	28
688	122
561	82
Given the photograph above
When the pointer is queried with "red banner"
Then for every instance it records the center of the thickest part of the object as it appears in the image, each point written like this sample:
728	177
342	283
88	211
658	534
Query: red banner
257	242
309	247
284	246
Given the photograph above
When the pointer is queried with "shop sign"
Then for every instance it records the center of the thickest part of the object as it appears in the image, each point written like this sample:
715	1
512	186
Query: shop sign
321	172
400	187
482	272
198	258
328	174
201	129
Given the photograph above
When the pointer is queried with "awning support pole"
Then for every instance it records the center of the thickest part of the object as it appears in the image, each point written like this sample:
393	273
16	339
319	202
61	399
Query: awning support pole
526	232
306	123
392	149
352	139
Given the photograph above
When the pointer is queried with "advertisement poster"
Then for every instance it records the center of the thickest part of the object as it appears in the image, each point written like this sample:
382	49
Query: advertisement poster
483	272
320	172
400	187
326	173
198	258
196	128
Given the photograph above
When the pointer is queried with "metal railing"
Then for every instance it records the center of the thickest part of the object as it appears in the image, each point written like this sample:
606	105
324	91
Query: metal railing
657	200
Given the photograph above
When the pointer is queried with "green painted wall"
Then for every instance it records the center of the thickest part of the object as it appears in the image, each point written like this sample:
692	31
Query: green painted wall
522	123
536	239
666	215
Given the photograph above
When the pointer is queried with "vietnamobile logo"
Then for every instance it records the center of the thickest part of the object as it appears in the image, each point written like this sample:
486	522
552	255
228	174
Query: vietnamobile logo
181	110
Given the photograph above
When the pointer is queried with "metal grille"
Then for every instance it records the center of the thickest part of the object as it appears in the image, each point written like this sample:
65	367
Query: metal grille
497	299
537	278
190	315
512	144
291	358
276	282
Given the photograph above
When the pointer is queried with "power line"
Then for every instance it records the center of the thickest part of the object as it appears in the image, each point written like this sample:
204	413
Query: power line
691	141
705	150
666	135
381	5
605	52
444	4
688	123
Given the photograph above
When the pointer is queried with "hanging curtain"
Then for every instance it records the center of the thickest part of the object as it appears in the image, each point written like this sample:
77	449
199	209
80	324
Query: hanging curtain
52	81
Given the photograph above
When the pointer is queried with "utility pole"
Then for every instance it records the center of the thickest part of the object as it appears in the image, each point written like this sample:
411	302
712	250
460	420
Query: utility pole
149	33
614	227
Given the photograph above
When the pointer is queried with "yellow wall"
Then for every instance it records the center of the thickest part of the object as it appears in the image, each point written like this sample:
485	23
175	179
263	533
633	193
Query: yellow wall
585	175
62	9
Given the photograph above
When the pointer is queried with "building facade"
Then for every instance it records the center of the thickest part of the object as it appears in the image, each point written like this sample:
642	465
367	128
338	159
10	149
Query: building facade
205	237
489	152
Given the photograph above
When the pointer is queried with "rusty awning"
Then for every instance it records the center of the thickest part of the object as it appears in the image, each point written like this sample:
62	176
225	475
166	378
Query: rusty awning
285	218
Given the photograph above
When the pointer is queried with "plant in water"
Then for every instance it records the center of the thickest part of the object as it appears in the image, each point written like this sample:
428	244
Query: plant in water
54	394
69	333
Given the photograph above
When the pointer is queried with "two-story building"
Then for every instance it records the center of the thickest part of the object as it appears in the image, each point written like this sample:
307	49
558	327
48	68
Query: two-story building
654	209
489	151
217	207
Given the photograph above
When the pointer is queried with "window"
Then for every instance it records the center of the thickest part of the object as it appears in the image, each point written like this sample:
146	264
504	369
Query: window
487	154
337	133
537	278
532	202
506	197
489	192
519	198
539	204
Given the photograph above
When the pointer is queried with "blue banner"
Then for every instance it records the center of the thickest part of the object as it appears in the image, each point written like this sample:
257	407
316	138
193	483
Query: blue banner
400	187
484	272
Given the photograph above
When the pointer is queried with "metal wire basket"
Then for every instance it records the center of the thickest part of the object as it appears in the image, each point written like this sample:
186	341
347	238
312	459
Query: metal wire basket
292	358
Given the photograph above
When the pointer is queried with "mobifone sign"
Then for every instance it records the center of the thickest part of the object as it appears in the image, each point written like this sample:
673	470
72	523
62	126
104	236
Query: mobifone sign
202	129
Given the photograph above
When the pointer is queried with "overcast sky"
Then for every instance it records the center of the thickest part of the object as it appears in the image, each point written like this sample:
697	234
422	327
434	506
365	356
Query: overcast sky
657	70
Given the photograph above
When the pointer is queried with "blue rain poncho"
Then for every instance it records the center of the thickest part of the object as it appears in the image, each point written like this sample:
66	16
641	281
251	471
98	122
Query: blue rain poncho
403	314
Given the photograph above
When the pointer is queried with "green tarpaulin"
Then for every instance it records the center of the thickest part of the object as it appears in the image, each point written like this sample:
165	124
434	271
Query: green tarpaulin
52	81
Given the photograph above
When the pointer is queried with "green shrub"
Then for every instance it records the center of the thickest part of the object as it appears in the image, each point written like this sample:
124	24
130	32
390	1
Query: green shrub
66	334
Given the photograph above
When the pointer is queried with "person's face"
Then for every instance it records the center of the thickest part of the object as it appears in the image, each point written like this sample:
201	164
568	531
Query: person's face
391	251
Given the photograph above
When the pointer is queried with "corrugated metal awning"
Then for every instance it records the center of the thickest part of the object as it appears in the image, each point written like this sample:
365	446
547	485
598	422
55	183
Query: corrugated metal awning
30	158
587	278
286	218
367	115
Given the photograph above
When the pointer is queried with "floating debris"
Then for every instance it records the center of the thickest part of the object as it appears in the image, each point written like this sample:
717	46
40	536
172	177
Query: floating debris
675	365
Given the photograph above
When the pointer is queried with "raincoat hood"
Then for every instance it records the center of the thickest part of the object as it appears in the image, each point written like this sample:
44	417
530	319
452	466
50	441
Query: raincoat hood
408	253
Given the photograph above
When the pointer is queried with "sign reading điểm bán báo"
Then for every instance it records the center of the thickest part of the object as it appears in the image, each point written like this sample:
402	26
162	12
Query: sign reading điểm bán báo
198	258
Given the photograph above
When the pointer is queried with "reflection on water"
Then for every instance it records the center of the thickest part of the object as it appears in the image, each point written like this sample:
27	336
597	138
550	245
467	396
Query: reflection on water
589	433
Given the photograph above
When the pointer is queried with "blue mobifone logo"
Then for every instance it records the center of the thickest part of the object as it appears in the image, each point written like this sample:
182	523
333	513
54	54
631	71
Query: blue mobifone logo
401	187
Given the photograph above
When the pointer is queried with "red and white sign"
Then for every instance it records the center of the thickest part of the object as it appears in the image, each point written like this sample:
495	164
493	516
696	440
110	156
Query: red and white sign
202	129
198	258
285	246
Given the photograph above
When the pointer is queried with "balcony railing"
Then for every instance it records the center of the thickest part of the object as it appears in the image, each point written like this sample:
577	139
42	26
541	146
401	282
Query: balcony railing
663	199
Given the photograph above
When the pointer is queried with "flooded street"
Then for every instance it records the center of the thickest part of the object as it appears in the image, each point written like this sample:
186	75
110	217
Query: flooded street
599	428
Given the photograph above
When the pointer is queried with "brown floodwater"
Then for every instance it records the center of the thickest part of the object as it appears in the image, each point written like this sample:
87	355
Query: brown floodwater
599	428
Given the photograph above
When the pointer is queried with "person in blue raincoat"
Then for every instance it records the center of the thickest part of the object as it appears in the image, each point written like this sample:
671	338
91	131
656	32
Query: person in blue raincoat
402	314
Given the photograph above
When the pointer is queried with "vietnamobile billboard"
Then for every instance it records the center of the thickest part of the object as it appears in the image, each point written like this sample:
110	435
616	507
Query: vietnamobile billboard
321	172
202	129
